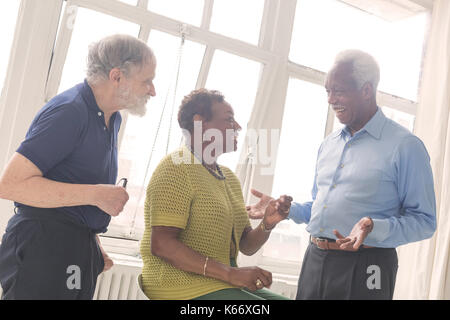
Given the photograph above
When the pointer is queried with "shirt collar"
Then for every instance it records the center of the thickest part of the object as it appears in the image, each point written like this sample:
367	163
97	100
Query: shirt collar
374	126
89	98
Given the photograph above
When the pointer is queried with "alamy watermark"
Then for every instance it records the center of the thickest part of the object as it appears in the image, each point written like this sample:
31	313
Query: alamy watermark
374	280
71	16
74	280
262	146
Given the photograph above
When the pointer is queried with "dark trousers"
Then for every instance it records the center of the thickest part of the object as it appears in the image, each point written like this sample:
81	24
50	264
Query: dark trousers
45	254
367	274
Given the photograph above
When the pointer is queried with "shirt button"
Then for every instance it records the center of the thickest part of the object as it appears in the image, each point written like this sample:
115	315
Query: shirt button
321	229
325	206
342	165
99	114
333	186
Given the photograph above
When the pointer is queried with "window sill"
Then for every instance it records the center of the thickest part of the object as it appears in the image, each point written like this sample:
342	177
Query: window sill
124	247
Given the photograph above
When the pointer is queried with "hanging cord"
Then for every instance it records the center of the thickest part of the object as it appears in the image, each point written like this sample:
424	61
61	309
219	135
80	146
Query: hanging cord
174	95
183	32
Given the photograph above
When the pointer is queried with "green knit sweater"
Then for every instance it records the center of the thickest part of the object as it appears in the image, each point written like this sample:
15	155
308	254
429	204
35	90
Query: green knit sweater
208	210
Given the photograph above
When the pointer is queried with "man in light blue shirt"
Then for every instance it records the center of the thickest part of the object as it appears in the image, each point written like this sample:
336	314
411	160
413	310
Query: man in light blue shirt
381	172
373	191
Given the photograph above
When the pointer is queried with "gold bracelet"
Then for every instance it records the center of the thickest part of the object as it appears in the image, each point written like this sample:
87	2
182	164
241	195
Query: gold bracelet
263	227
204	266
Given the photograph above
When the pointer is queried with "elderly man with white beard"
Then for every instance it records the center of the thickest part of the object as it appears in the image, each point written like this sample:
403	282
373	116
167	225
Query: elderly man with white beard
62	178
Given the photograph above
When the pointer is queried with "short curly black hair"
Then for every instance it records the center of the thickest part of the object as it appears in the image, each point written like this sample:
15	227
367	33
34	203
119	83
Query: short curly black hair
199	102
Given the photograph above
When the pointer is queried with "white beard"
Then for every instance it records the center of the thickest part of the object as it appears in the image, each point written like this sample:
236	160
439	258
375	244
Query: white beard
132	103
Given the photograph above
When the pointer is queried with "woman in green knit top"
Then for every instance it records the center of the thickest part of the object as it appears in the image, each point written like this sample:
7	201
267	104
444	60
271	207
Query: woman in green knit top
195	217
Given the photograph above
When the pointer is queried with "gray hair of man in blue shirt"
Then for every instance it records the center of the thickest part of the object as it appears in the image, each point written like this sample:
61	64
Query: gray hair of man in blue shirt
365	68
124	52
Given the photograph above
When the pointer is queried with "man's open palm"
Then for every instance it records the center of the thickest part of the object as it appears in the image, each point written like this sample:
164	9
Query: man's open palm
256	211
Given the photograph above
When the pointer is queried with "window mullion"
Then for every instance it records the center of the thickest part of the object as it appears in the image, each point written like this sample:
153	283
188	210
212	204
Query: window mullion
275	36
204	69
268	24
142	4
61	49
207	14
397	103
305	73
144	32
274	80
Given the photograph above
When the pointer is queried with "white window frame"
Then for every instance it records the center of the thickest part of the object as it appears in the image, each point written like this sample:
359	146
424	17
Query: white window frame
38	60
22	93
148	21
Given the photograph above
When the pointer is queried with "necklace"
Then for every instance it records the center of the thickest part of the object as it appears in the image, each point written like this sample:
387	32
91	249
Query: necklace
218	175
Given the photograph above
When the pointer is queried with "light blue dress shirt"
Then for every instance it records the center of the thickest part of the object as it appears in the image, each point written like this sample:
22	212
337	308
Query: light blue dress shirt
382	172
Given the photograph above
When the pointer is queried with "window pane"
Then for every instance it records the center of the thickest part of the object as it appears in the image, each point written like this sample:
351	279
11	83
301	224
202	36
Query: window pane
84	34
302	133
287	242
237	78
238	19
186	11
140	133
8	18
323	28
402	118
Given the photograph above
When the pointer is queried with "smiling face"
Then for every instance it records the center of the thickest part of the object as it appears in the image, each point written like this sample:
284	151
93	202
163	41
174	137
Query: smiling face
353	106
223	120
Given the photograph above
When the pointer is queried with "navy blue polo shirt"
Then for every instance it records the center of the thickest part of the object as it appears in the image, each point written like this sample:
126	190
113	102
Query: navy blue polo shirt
69	142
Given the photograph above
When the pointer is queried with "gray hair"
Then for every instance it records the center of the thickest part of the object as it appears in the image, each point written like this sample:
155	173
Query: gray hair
365	67
116	51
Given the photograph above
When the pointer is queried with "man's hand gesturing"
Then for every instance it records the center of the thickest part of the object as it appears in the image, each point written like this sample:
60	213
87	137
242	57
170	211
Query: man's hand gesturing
357	236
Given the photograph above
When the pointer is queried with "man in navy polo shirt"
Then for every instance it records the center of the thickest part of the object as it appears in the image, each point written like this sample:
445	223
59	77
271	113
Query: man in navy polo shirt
63	177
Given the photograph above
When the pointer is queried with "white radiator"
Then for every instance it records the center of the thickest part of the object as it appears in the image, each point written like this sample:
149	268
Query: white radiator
119	283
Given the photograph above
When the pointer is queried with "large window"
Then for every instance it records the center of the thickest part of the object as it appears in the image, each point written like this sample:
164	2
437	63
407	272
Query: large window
8	17
223	64
321	29
253	55
324	27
